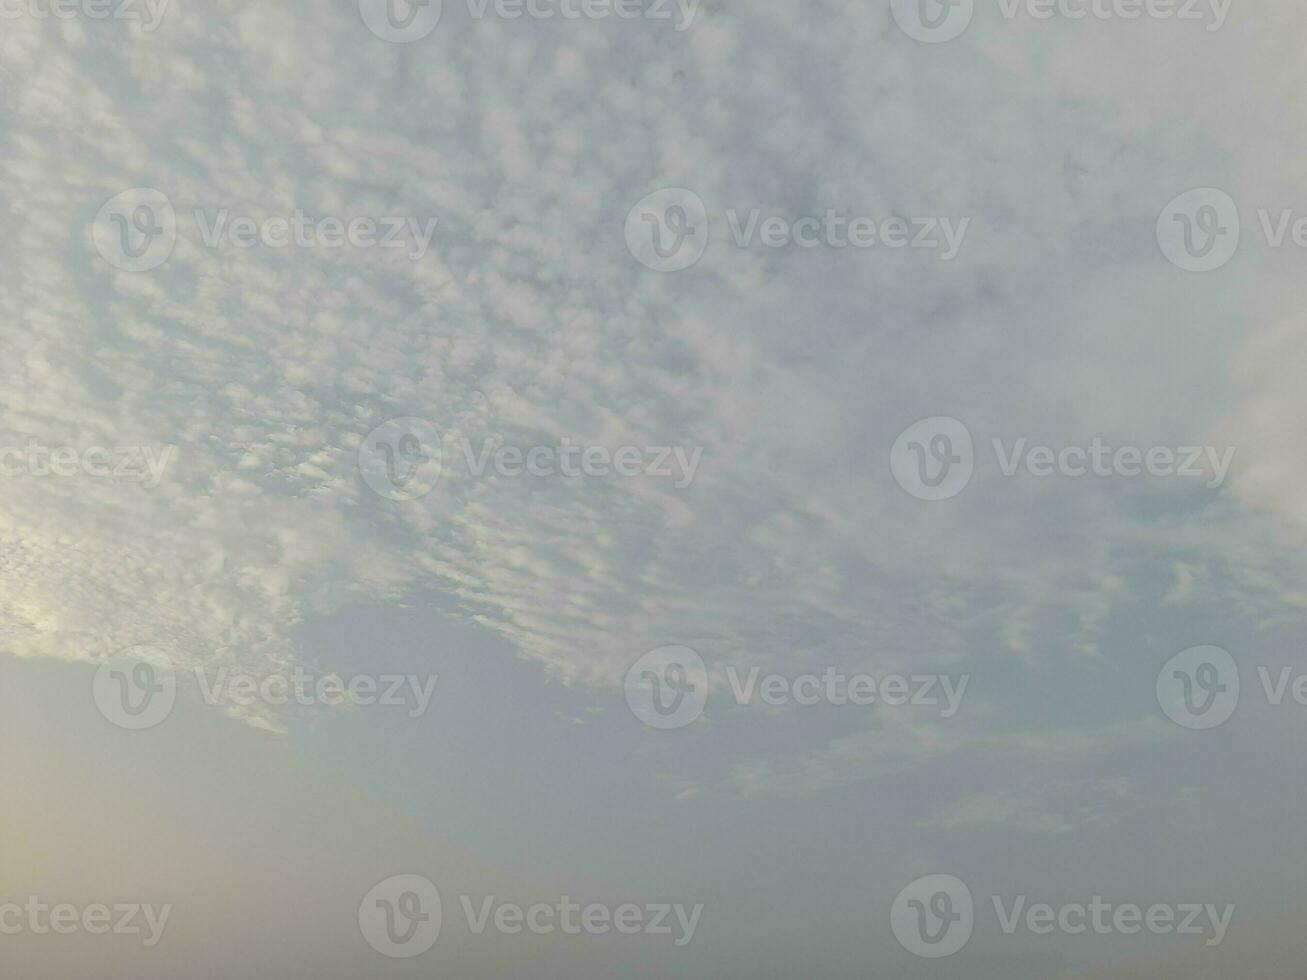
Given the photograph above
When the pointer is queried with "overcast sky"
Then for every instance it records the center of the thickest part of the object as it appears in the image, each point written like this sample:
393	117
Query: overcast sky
838	344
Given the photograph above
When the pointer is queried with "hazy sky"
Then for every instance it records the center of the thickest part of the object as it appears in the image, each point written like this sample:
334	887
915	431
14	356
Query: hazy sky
951	344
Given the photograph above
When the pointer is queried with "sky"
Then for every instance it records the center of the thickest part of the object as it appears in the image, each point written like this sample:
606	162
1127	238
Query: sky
811	484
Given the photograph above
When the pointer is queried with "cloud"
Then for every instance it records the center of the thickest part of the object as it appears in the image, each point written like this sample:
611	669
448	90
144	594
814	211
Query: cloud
526	322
